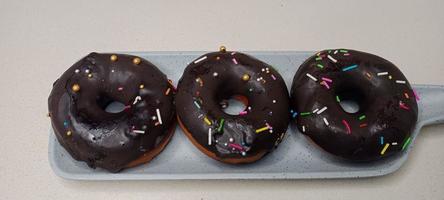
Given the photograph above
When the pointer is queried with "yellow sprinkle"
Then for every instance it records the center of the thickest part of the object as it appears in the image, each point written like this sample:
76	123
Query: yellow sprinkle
207	121
262	129
141	86
68	133
385	148
390	77
90	75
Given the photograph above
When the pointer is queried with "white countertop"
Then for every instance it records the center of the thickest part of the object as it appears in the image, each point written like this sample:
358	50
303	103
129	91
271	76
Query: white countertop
40	40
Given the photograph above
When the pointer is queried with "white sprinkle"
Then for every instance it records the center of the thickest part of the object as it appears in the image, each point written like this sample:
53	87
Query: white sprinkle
316	110
325	121
231	140
394	143
112	70
200	59
215	74
139	131
312	77
303	129
77	71
335	52
382	73
400	81
209	136
158	115
138	98
322	110
332	59
274	101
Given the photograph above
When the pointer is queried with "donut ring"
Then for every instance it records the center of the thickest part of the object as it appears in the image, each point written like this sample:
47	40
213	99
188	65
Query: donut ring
387	106
218	76
112	141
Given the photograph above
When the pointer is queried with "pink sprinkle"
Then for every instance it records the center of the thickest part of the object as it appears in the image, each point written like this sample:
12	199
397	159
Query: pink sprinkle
416	95
327	79
403	106
243	112
272	76
235	61
127	107
236	146
120	88
325	84
232	53
347	126
346	54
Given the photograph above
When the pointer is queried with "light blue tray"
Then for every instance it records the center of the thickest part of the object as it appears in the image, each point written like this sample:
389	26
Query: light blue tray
295	158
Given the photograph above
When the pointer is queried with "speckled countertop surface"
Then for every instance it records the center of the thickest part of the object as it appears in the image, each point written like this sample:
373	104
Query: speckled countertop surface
39	40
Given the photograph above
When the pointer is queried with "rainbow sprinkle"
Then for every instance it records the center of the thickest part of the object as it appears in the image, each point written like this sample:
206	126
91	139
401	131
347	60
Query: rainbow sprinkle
197	104
158	116
361	117
312	77
332	59
234	61
200	59
325	121
347	126
221	125
209	136
337	99
320	66
406	143
305	113
207	121
382	140
349	68
385	148
262	129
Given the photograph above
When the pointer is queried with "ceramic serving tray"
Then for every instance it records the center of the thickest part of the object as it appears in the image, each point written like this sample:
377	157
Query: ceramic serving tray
295	158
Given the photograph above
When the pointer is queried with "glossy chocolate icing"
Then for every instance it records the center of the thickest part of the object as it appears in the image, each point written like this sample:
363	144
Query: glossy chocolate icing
111	140
387	107
215	77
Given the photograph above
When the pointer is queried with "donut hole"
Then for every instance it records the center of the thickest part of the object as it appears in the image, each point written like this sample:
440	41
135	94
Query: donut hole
234	105
109	105
351	100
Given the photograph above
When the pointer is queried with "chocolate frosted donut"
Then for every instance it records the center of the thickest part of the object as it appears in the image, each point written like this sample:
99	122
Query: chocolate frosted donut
387	112
113	141
215	77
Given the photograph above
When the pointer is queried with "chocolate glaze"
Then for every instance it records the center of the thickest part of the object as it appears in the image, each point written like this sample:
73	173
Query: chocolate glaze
103	139
387	107
218	76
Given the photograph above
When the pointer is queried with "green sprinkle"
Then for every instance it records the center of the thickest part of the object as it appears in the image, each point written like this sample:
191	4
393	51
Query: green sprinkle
406	143
318	58
343	51
320	66
337	99
329	51
221	125
362	117
305	113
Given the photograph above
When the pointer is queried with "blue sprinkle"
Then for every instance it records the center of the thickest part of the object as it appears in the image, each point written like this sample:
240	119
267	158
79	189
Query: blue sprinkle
295	114
65	123
382	140
349	68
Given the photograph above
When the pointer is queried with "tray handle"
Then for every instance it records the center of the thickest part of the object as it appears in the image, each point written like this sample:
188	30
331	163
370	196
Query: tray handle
430	103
